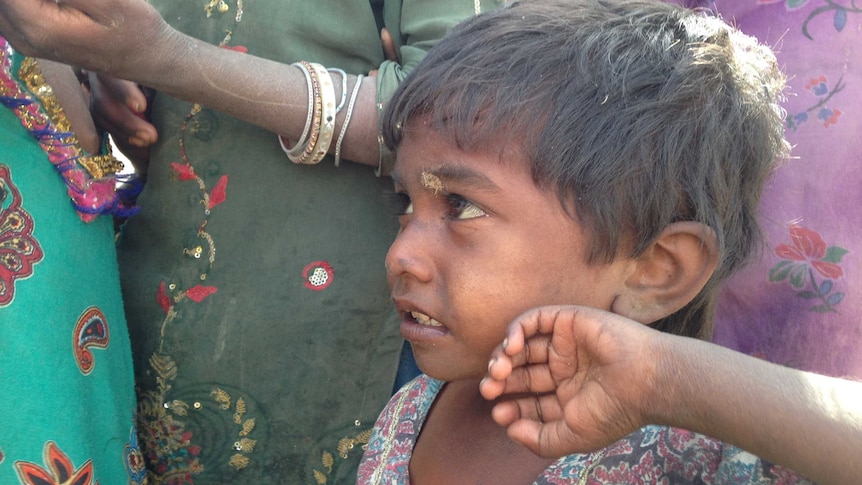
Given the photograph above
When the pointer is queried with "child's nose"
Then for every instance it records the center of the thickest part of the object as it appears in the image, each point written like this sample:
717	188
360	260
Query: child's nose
409	254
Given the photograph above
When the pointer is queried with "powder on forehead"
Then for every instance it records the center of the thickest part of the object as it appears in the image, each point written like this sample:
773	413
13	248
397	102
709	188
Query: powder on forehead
432	182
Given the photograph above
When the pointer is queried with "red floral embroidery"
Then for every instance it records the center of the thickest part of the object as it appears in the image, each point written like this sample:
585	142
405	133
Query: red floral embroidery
217	196
198	292
184	170
162	298
19	250
239	48
58	470
807	254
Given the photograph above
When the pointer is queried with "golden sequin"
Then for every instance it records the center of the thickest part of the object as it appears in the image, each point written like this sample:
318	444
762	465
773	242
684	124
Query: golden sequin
98	166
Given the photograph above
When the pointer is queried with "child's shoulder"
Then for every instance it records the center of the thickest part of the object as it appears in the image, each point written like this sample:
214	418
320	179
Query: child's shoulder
672	455
390	447
410	404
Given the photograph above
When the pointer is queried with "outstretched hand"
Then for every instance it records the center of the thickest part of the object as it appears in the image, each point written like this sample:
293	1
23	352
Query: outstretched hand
101	35
571	379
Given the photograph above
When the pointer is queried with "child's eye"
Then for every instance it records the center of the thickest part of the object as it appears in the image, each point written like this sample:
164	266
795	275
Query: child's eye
461	208
402	203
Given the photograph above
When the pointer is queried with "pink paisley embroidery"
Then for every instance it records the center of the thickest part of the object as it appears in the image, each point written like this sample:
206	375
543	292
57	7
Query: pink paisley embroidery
91	331
19	250
58	470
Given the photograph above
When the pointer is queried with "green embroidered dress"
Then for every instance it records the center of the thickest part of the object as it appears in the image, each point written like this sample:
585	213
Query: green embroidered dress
263	335
66	384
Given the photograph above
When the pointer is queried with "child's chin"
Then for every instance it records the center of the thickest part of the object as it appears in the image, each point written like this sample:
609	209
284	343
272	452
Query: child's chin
445	372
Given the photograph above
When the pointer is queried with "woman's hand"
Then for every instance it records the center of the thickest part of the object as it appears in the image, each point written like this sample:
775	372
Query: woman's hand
100	35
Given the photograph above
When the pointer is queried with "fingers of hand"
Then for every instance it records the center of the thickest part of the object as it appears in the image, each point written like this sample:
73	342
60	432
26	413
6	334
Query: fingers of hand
129	93
553	438
534	352
539	321
101	11
41	28
535	423
388	45
111	110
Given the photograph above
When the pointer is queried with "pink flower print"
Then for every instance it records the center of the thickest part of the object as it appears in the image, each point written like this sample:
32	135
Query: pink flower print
808	253
809	246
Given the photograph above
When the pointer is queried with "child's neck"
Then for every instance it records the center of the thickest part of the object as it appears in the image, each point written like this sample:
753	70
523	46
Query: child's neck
460	443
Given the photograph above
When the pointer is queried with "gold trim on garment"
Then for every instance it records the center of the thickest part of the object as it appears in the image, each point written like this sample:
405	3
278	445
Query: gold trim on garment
98	166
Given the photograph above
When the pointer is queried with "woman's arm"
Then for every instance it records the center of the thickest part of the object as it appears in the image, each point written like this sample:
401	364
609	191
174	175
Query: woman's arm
128	39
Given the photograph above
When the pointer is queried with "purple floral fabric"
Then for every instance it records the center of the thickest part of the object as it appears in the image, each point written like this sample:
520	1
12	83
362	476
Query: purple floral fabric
652	455
799	303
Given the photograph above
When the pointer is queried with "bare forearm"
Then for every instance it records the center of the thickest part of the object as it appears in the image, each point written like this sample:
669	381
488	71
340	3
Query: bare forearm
107	36
809	423
268	94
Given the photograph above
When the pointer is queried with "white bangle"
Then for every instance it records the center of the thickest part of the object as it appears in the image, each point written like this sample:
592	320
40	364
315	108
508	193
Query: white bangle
343	88
320	146
346	121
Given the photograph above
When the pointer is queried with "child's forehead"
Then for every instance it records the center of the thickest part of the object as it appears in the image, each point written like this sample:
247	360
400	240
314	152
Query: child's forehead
431	160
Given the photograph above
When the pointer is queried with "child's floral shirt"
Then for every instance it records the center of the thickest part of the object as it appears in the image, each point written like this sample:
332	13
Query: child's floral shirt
652	455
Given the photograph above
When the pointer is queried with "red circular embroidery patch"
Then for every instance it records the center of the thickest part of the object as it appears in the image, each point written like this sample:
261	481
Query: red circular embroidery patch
317	275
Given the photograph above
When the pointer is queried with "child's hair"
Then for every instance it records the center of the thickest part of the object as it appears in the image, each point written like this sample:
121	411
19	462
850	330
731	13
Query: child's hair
639	114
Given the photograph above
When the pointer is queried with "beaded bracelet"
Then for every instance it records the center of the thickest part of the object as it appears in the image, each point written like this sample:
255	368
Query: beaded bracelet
298	147
346	121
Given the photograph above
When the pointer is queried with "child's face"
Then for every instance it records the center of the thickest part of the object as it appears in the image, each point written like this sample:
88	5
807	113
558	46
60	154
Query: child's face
479	244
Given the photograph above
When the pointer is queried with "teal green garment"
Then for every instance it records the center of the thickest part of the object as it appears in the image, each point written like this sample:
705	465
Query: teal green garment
264	338
46	396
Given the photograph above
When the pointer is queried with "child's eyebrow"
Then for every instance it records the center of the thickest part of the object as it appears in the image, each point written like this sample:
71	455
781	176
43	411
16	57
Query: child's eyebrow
437	179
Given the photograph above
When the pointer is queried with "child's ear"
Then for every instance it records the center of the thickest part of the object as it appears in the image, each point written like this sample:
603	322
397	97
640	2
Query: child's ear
670	273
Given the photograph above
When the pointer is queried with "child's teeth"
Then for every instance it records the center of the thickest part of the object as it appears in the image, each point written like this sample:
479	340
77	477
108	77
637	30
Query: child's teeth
423	319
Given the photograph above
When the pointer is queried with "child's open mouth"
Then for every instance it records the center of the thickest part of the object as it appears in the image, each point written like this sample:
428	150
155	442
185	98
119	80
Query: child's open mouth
423	319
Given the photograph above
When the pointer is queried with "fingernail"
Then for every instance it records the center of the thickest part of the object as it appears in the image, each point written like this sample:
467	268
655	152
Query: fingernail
505	342
138	141
491	363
